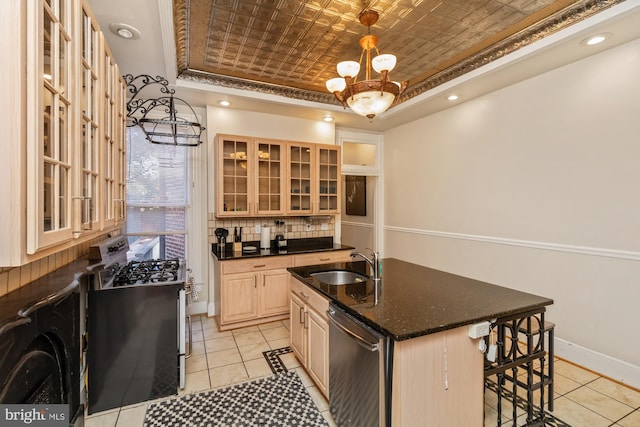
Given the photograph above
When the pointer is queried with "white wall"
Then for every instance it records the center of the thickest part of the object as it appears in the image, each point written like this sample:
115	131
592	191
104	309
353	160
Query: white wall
358	231
535	187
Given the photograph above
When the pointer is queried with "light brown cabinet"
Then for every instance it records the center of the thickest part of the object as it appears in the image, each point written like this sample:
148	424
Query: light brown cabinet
256	290
266	177
253	291
270	170
250	176
66	128
254	295
321	258
313	184
234	164
309	332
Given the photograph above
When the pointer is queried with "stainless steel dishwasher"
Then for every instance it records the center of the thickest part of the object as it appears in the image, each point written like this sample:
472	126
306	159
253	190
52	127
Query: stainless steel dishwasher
359	372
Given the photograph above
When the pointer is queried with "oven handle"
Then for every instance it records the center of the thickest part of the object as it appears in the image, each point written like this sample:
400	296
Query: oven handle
52	298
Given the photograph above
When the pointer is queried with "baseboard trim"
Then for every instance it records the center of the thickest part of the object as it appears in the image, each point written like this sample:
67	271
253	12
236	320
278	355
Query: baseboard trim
583	250
199	307
608	366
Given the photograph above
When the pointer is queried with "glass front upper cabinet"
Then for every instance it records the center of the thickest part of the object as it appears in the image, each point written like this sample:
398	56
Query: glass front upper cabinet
300	178
49	149
233	186
90	98
328	179
270	171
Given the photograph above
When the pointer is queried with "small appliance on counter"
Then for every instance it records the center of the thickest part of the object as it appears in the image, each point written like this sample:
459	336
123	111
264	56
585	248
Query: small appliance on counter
221	236
281	243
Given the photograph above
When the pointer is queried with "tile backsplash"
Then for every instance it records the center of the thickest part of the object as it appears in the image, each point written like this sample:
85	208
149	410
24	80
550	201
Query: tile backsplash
293	228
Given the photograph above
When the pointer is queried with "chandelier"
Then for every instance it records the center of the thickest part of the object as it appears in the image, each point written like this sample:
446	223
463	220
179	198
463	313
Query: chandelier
161	119
367	97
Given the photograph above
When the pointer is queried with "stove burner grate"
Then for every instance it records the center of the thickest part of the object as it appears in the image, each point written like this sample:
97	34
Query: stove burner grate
149	271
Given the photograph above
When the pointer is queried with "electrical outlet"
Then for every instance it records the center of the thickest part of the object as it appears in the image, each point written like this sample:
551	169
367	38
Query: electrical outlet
257	230
478	330
324	227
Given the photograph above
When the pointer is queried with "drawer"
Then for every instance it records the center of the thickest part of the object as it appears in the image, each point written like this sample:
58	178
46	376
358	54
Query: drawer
256	264
310	297
322	258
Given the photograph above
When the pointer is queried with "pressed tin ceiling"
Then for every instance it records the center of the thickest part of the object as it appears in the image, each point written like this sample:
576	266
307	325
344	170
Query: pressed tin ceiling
291	48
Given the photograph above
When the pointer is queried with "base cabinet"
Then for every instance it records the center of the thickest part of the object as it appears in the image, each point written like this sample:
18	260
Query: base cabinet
252	291
310	333
255	295
256	290
241	297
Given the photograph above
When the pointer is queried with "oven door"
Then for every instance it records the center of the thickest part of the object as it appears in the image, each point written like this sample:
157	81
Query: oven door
133	338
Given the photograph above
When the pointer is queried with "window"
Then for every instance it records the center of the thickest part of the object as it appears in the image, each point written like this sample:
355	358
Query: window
157	198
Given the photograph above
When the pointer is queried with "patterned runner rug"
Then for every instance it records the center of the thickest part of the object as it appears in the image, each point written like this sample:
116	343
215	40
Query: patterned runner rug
279	400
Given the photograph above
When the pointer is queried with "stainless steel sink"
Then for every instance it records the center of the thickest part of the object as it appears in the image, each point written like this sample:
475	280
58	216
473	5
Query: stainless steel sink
339	277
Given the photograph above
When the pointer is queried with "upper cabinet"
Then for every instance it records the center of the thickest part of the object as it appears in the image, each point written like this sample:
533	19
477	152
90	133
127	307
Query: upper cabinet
300	183
263	177
234	166
270	160
313	184
328	179
65	129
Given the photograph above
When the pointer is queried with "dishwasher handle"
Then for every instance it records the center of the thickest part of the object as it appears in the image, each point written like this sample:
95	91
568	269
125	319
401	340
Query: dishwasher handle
360	340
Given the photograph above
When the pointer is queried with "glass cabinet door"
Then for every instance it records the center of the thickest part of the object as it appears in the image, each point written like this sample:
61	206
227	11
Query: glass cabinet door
328	179
120	197
270	161
89	116
50	168
300	178
233	184
110	134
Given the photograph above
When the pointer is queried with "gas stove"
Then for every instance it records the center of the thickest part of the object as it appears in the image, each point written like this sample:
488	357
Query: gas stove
149	271
145	302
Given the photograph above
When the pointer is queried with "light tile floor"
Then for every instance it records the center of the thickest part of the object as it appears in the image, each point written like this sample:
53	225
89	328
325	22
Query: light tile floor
219	359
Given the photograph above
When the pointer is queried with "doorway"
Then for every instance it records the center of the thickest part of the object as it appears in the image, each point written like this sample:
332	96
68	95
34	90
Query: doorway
361	217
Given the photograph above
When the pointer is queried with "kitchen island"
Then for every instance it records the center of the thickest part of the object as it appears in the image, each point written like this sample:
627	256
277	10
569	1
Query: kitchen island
437	370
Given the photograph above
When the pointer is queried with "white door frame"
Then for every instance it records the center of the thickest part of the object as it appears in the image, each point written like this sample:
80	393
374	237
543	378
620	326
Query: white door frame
343	136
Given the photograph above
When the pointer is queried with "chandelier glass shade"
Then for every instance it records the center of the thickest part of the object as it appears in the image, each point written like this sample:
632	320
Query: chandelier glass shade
368	97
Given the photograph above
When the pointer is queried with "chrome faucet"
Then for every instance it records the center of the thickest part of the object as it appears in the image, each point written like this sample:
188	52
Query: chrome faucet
373	261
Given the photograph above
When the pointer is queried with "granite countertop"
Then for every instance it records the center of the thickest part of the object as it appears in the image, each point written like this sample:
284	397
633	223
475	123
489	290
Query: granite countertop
47	285
294	246
414	300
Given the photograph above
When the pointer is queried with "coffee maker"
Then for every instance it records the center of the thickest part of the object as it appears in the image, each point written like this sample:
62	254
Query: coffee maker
281	243
221	234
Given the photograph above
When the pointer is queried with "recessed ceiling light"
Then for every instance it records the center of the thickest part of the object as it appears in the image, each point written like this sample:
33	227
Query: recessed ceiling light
452	97
125	31
224	103
597	39
328	119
